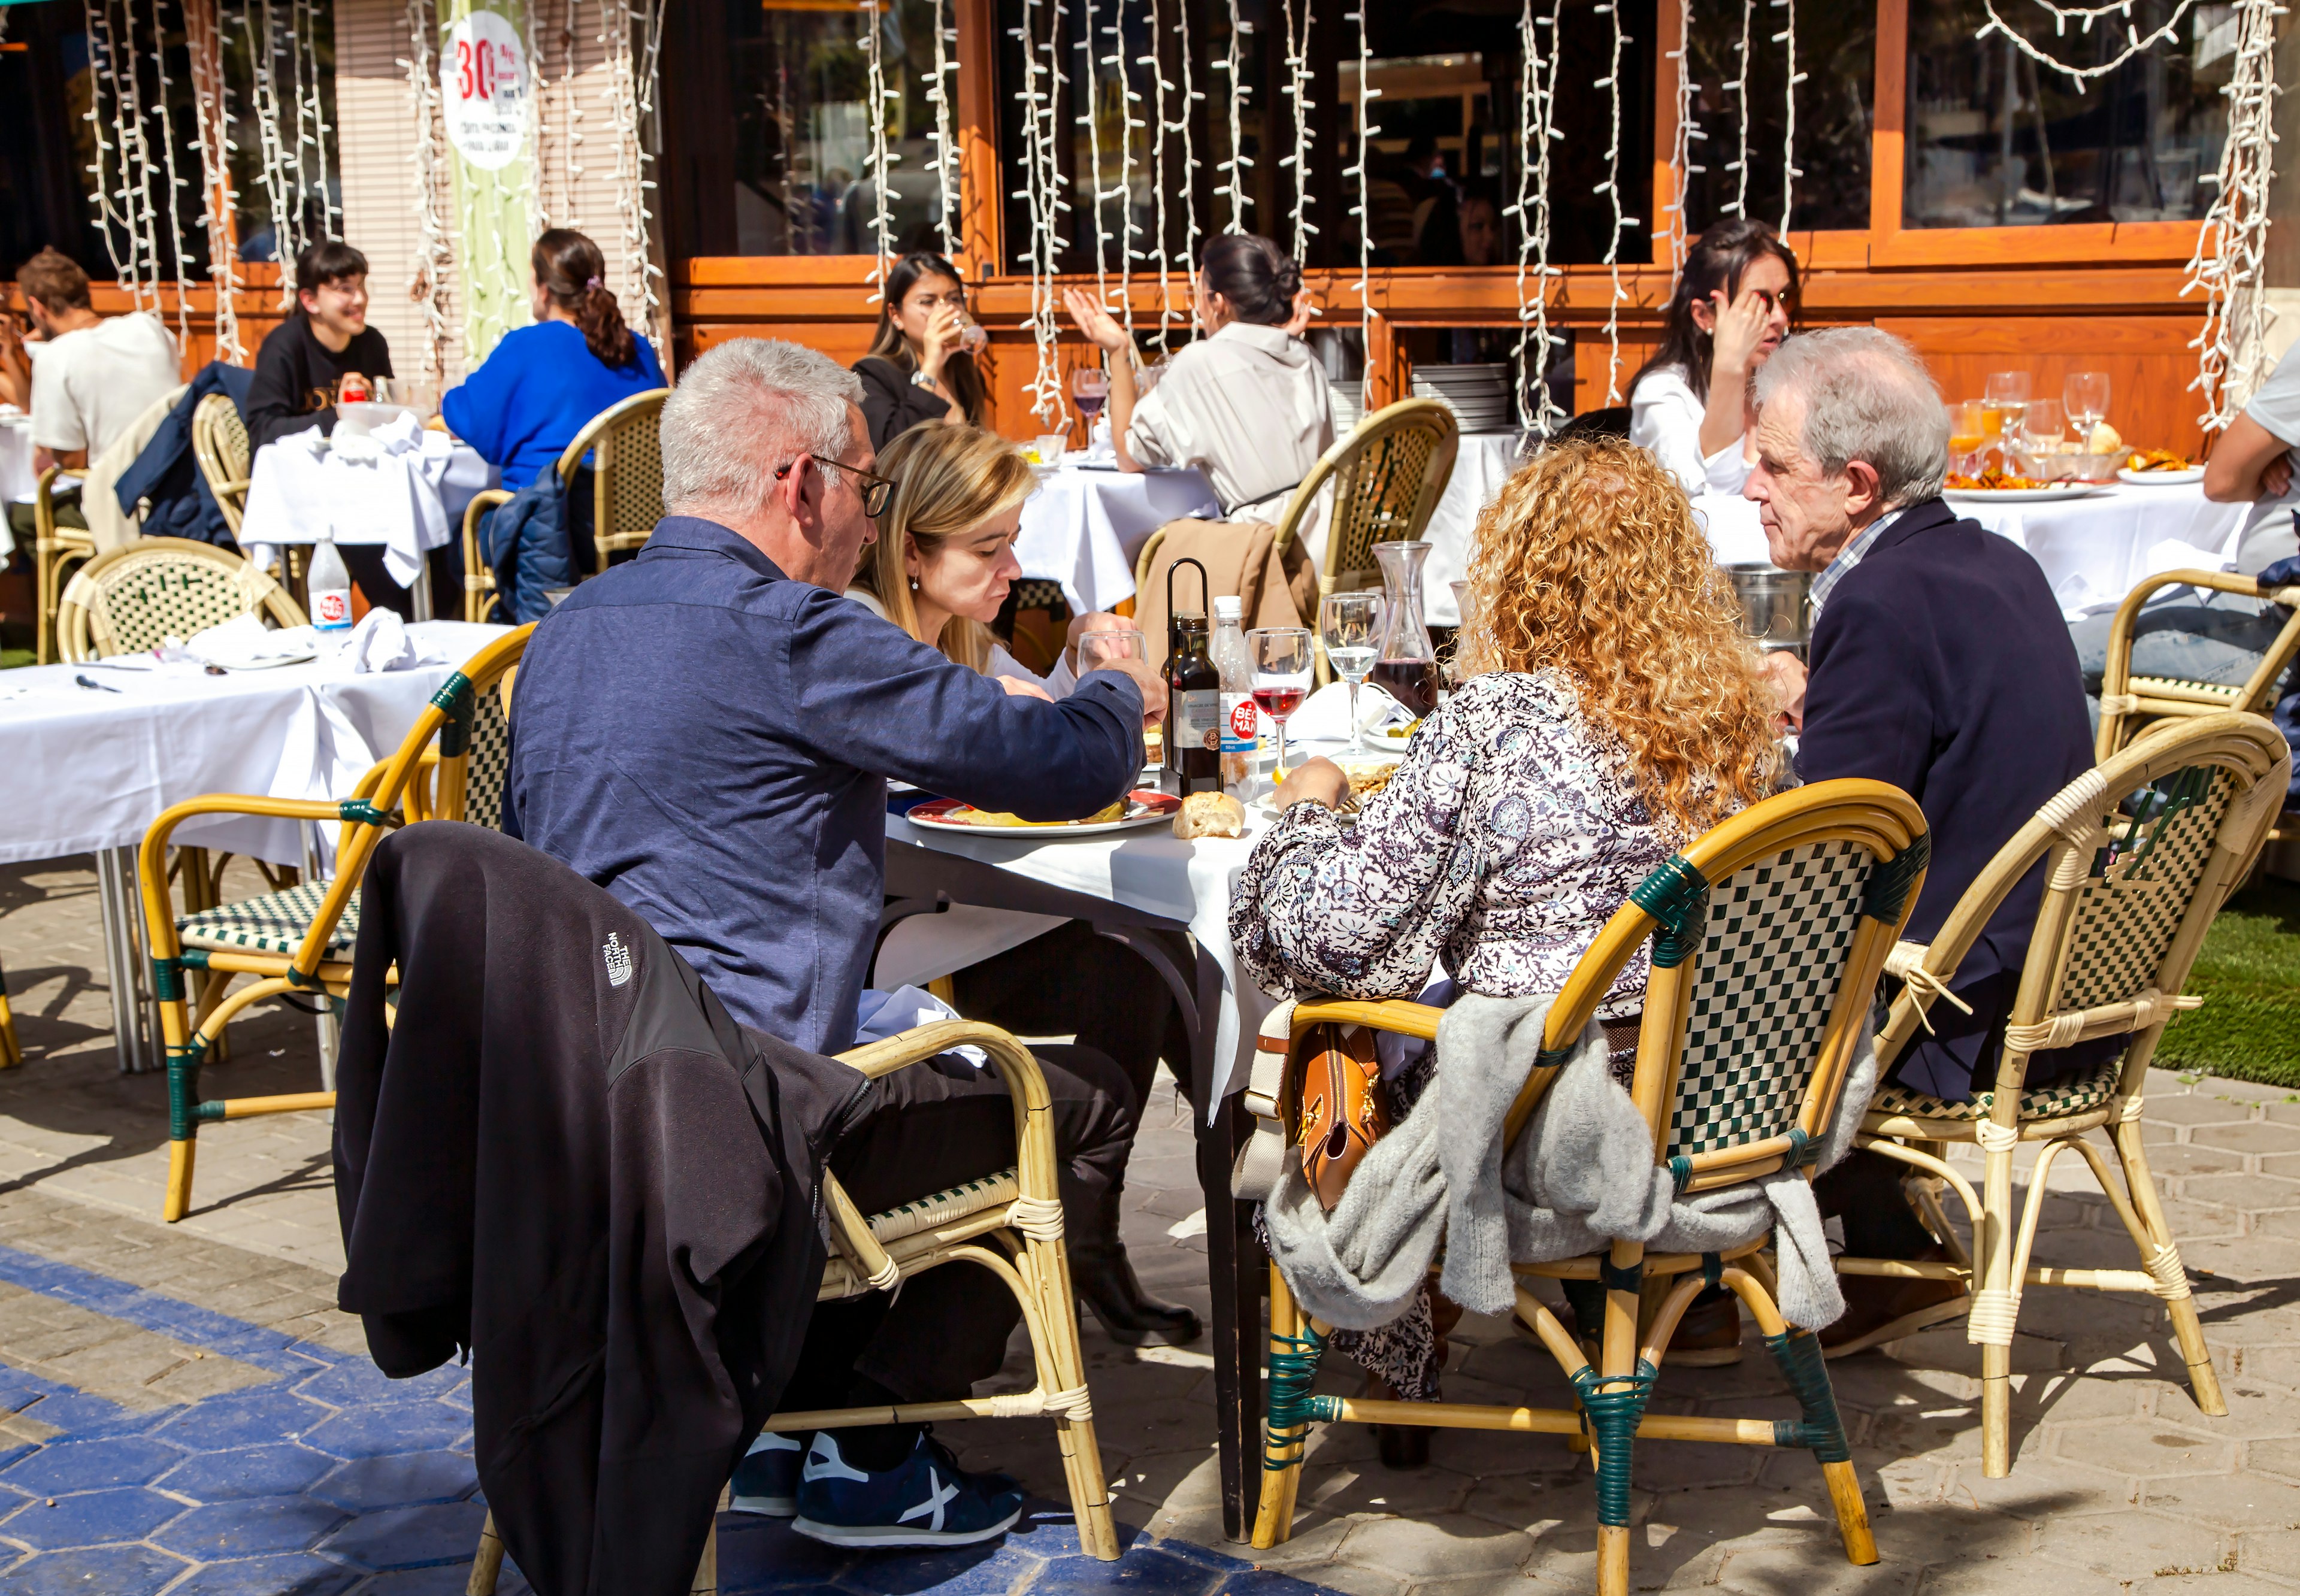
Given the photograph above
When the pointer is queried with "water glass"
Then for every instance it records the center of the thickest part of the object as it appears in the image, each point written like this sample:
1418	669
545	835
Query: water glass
1281	658
2041	425
1100	646
2086	394
2008	393
1350	624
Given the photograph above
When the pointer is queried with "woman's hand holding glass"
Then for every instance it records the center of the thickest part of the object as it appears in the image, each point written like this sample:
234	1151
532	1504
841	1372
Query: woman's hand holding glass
1099	636
1350	625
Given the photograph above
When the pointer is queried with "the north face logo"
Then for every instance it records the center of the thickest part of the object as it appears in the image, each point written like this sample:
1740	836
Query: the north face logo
619	959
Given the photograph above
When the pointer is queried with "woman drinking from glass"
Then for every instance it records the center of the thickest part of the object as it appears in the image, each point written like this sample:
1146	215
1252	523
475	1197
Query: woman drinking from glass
920	367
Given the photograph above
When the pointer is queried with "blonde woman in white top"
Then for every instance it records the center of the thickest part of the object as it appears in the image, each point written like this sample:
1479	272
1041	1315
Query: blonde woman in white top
1689	404
944	556
1246	403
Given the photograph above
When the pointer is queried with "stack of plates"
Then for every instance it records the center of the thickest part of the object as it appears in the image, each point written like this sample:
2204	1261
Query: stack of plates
1349	407
1478	395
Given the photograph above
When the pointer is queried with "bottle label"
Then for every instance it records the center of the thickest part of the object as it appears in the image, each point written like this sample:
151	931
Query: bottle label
1240	733
1198	719
331	610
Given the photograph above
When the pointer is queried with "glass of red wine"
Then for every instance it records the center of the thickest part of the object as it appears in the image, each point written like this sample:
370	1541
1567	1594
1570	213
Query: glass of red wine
1282	660
1089	386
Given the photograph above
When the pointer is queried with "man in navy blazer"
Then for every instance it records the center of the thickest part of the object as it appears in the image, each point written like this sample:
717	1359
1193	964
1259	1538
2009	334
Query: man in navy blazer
1940	664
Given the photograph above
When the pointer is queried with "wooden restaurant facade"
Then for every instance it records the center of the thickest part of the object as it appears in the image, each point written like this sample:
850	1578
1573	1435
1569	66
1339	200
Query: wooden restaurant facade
1946	186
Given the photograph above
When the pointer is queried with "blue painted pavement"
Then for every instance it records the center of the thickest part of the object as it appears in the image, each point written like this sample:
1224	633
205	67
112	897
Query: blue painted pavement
333	1481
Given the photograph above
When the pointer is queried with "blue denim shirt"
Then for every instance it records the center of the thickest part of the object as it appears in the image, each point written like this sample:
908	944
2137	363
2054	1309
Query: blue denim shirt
709	741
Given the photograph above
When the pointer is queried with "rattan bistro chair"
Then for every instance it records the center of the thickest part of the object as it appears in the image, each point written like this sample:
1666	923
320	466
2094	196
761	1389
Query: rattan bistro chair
53	547
625	443
1388	475
1769	934
2129	895
1011	1224
130	598
2127	702
301	939
219	445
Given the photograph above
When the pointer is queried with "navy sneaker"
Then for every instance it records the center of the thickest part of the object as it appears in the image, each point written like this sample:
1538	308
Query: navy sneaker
766	1481
926	1500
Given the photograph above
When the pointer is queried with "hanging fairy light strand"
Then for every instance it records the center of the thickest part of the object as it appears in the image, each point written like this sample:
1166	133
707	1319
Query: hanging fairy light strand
1090	109
433	258
1790	170
135	163
1738	205
1233	170
1612	188
211	137
539	212
881	160
945	164
571	161
2085	17
1129	124
1298	80
1672	234
178	256
1192	94
2230	259
1160	87
1537	130
1042	193
633	74
1361	170
262	63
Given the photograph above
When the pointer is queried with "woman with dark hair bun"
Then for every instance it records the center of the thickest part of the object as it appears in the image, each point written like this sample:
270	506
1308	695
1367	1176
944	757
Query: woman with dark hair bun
1246	403
542	383
920	369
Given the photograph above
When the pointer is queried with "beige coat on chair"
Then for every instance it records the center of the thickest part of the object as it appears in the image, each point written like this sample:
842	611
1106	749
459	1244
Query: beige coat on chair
1280	588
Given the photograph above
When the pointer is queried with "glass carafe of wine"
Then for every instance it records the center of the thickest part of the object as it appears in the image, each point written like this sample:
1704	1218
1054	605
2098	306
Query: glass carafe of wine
1408	665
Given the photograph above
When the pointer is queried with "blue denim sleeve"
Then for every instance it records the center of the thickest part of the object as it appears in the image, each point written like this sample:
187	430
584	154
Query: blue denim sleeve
868	695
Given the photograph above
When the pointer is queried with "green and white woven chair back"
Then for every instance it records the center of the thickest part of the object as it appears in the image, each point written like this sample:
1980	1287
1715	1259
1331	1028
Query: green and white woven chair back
1767	972
1375	495
490	764
2137	892
135	602
634	484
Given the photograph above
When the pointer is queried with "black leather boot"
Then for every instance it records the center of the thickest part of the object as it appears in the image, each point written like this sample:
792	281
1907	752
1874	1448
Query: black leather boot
1102	1277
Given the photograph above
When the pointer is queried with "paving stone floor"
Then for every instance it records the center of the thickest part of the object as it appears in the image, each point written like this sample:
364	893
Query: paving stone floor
185	1410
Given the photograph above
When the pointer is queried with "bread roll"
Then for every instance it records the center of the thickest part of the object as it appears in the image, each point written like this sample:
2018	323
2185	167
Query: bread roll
1210	814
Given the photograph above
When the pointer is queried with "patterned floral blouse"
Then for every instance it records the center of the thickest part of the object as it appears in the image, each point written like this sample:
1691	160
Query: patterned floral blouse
1507	838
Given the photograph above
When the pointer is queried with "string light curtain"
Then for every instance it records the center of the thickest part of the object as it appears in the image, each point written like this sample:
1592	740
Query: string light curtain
1612	189
945	164
632	35
1041	191
1090	111
1787	40
1360	168
1298	79
880	161
2228	264
1233	170
1537	131
433	257
1129	124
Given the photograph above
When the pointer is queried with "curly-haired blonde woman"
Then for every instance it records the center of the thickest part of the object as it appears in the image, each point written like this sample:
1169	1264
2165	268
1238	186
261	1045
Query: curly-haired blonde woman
1611	712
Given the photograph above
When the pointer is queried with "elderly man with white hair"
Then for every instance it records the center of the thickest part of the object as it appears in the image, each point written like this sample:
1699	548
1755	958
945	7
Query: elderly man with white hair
706	732
1940	664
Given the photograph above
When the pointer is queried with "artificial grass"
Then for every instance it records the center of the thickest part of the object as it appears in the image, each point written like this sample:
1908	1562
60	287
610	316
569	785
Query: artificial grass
10	658
2249	976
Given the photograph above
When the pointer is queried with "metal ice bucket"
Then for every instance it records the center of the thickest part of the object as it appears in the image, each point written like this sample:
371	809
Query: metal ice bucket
1772	604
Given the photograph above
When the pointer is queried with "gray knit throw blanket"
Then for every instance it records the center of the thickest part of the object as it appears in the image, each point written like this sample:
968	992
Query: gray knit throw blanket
1581	1176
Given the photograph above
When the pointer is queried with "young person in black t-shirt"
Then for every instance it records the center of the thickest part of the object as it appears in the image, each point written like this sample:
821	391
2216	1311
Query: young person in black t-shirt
305	357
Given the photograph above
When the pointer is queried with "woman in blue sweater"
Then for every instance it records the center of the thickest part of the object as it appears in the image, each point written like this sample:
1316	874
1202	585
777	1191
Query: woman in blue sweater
543	383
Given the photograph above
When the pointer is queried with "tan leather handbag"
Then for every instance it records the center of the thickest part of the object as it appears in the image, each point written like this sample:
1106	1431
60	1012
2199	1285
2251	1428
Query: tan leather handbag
1343	1110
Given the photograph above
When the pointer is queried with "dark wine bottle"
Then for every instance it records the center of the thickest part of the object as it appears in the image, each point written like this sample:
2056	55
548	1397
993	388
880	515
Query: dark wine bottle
1193	716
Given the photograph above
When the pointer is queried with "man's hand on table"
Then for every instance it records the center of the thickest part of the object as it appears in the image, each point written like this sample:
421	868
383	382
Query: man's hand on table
1784	673
1317	780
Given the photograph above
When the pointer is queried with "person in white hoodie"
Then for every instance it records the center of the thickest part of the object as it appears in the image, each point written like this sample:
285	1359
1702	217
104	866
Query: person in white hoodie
1246	402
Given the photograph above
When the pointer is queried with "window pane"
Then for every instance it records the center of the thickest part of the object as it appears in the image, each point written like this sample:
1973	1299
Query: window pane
1836	54
1996	140
802	127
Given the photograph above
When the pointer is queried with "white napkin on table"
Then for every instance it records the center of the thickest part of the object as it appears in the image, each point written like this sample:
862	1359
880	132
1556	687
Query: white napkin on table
1324	716
382	641
244	640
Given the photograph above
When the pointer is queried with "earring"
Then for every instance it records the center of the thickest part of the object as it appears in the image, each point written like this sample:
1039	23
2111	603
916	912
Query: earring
915	584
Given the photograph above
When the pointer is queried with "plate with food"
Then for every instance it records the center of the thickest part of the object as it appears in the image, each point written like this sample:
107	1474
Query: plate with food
2004	487
2159	468
1139	807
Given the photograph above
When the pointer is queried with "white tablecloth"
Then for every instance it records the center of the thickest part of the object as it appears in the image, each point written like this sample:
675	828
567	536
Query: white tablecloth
410	503
1083	528
2093	549
1486	460
82	768
18	479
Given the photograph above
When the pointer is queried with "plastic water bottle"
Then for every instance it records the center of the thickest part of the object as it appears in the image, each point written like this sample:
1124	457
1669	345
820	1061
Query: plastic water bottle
1240	731
330	587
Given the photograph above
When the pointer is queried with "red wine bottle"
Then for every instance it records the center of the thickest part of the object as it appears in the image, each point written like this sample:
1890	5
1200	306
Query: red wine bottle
1413	683
1194	715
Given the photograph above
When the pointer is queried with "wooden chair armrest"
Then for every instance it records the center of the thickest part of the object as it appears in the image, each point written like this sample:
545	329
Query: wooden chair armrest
1399	1015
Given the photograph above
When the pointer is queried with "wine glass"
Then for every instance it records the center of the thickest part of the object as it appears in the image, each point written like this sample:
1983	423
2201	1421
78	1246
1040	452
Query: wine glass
1350	624
1089	386
1968	434
2086	394
1281	660
2008	392
2042	425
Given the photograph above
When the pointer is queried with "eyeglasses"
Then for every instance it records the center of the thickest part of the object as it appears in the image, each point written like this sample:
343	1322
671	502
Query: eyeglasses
874	491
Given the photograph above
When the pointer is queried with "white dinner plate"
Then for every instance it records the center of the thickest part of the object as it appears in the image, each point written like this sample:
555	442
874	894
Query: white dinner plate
1144	808
2050	493
2160	478
232	662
